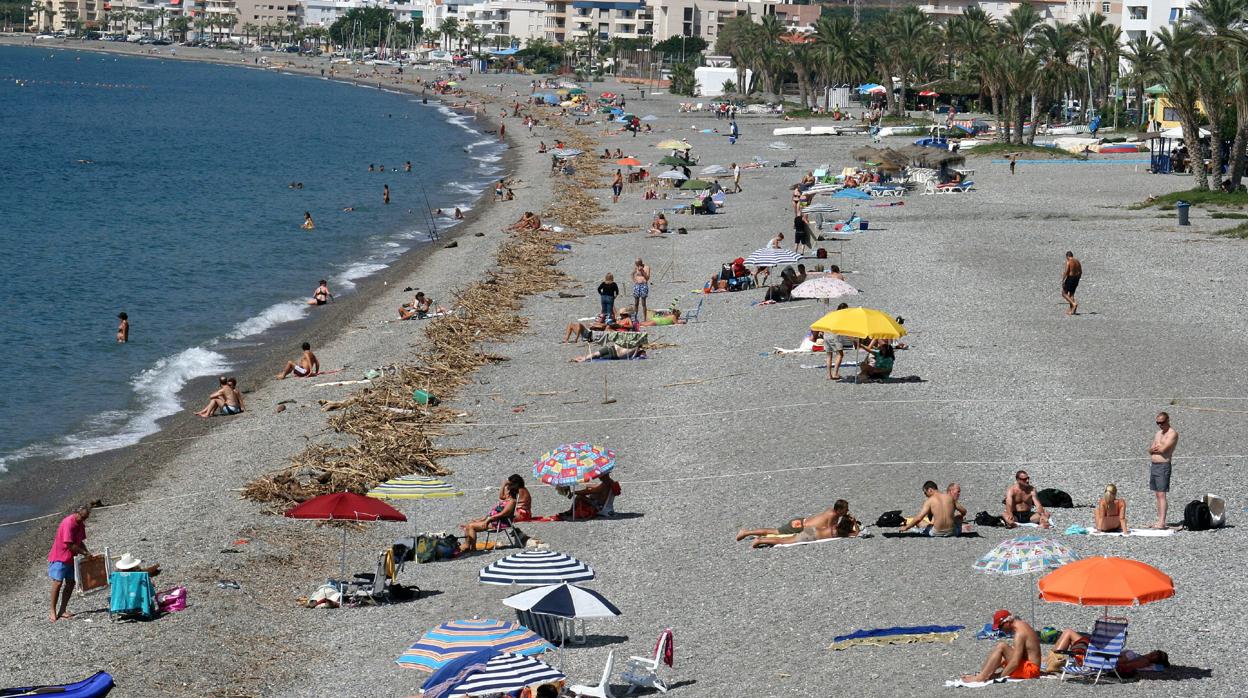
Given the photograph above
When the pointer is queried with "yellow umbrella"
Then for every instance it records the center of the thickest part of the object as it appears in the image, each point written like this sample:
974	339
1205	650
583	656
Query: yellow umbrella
861	323
672	144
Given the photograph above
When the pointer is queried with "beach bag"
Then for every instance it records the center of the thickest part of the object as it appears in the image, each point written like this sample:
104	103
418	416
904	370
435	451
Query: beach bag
890	519
1196	516
446	547
983	518
1055	499
426	548
172	601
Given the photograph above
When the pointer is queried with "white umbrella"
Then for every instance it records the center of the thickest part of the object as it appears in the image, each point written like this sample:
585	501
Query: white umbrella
824	287
772	257
673	174
714	170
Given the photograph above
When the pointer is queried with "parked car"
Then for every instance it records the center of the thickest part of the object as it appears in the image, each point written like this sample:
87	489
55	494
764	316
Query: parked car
161	42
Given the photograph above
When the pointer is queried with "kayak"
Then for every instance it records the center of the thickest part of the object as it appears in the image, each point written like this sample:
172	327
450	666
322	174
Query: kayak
97	685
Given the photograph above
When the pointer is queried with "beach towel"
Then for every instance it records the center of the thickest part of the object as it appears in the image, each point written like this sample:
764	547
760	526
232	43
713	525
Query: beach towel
669	650
1141	532
821	540
924	536
901	635
959	683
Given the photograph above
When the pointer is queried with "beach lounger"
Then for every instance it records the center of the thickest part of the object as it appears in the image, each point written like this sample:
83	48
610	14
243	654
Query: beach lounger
131	594
1109	638
603	689
643	672
372	585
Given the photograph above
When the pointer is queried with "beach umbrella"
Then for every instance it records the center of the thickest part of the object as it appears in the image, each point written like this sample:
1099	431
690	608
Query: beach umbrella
573	463
608	95
675	161
1025	555
629	162
673	144
459	638
861	323
535	568
823	287
772	257
501	673
673	174
1106	581
565	153
850	194
576	91
691	184
414	487
563	600
929	93
713	170
867	87
344	506
877	90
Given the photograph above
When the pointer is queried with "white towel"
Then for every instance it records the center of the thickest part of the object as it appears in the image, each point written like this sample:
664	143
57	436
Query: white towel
959	683
824	540
1141	532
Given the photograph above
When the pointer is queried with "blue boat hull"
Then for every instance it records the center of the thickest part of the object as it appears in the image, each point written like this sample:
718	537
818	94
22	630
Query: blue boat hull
92	687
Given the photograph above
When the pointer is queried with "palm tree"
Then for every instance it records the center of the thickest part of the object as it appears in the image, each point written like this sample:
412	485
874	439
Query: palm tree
1180	45
1055	45
1223	22
450	31
910	35
1144	55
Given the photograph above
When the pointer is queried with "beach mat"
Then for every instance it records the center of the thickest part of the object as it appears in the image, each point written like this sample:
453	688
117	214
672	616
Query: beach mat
823	540
1140	532
959	683
916	534
878	637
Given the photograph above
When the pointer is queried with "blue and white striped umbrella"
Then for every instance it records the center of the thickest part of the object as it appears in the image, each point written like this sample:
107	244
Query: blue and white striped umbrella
536	568
507	673
563	600
772	257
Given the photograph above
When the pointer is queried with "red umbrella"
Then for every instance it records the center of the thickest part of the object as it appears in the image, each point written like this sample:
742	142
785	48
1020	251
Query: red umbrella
929	93
348	506
345	506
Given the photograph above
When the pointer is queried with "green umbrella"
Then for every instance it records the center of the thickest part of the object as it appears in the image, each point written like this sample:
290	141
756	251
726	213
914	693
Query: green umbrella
1158	89
576	91
695	184
675	161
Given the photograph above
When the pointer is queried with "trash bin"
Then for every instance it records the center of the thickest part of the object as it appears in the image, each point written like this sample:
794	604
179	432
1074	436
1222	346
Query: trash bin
1183	208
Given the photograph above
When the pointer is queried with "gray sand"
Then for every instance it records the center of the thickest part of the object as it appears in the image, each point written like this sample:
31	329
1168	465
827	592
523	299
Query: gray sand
1009	381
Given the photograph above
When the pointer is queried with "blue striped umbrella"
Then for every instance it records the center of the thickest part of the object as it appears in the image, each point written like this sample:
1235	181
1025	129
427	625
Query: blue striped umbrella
536	568
772	257
459	638
506	673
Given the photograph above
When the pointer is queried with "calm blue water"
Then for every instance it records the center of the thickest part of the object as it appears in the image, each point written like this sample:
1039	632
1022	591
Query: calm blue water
183	219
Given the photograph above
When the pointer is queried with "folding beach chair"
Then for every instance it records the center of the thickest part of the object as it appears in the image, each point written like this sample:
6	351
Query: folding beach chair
643	672
695	314
1109	638
372	585
507	529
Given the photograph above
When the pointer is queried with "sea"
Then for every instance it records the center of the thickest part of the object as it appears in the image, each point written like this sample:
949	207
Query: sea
175	192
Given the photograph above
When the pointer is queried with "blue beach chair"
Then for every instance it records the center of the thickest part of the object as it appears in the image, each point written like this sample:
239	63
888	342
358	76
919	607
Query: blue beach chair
1109	638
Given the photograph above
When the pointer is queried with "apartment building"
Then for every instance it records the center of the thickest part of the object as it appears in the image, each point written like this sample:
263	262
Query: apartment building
266	13
1051	11
1110	10
503	19
705	18
1142	17
323	13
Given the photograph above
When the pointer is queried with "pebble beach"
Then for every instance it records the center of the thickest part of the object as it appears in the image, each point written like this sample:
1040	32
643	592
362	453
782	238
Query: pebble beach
714	432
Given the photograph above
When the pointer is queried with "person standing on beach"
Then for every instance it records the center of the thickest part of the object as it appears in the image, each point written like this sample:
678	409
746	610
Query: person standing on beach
1013	162
736	178
1071	274
617	187
123	328
608	290
308	365
641	289
71	536
1161	452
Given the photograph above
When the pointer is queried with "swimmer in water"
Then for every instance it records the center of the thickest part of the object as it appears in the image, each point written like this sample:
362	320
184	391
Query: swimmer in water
123	328
407	166
385	193
371	168
307	221
459	215
348	209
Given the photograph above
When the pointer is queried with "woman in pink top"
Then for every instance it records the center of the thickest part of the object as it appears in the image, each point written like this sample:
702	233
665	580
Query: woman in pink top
69	541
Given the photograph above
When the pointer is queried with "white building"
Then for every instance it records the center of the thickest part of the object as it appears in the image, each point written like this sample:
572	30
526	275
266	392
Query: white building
1051	11
1143	17
323	13
504	19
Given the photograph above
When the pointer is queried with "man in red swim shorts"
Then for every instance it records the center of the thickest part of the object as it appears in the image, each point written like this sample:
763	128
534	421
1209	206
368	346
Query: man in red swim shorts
1020	661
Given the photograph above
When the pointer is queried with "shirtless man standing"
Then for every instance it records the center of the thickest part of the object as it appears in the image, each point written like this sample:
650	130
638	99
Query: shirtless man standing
941	508
308	365
641	289
1022	505
1071	274
1161	451
1022	661
820	526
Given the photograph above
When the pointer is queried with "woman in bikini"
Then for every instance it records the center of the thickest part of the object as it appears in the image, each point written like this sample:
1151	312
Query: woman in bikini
1111	512
514	503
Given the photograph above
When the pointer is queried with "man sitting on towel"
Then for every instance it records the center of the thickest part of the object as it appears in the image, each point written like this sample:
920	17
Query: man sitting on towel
1022	661
941	508
1022	504
812	528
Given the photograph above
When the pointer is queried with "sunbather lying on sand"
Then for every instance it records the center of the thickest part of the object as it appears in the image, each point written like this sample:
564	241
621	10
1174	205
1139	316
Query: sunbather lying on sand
818	527
612	351
592	331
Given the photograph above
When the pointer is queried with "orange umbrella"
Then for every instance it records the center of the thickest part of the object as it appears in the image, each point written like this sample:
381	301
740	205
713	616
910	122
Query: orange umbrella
1106	581
631	162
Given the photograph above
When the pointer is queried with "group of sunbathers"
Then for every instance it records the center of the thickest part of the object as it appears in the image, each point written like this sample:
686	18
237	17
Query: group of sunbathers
420	308
835	522
515	505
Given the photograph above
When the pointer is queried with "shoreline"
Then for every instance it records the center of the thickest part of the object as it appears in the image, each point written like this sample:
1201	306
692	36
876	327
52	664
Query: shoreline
57	482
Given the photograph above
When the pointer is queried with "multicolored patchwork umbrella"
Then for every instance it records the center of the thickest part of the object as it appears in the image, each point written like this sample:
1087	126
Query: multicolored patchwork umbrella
459	638
573	463
1025	555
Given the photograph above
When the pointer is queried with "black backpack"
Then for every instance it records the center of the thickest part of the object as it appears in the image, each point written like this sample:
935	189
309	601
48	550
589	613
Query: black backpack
1196	516
1055	499
891	519
983	518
